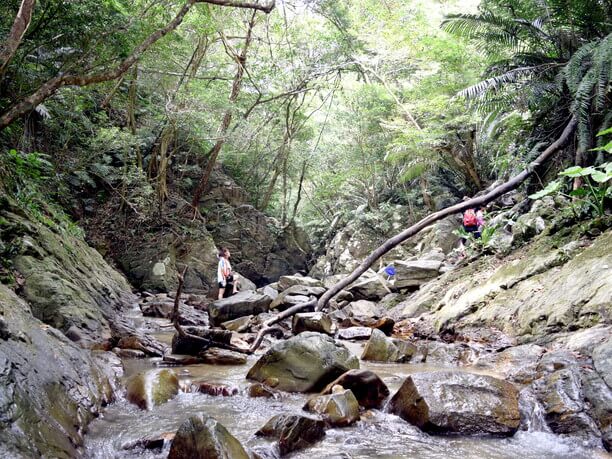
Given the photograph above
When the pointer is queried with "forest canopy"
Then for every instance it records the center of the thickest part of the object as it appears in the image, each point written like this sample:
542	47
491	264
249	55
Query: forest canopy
317	108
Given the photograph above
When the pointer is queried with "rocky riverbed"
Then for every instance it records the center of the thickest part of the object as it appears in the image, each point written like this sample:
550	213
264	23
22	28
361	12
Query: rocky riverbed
498	355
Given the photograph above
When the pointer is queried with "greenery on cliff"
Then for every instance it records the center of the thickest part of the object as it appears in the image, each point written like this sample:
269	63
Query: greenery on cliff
317	108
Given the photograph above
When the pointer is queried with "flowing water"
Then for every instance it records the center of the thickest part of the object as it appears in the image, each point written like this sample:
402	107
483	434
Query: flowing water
378	434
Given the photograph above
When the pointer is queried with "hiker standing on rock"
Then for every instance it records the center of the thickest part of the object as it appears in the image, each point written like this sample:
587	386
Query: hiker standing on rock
225	276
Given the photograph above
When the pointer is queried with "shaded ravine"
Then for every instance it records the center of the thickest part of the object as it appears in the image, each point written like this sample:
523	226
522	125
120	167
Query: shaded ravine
378	434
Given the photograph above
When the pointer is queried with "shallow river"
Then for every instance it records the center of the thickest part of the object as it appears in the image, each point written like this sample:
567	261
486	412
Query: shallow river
377	435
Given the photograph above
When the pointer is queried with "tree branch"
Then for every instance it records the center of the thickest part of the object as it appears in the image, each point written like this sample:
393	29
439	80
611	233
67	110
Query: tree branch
51	86
20	26
496	192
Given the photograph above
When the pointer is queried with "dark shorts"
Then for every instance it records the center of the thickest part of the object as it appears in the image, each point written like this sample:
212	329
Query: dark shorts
229	282
472	229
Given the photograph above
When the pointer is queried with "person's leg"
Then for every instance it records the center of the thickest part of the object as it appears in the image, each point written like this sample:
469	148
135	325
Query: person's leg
236	284
221	291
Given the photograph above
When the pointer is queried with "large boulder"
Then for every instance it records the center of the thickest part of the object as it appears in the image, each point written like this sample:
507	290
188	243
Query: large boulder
284	282
241	304
50	388
151	388
339	408
379	348
561	394
312	321
456	402
372	288
415	273
367	387
202	437
66	282
517	363
293	431
304	363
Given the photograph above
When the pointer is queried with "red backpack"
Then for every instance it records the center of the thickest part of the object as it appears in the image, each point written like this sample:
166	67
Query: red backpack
469	218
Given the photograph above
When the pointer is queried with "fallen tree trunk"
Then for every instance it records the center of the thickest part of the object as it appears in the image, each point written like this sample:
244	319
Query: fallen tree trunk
496	192
195	340
268	328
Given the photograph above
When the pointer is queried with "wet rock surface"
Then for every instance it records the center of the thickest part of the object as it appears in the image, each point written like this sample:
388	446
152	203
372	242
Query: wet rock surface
152	388
379	348
202	437
369	390
293	431
459	403
44	407
339	408
304	363
241	304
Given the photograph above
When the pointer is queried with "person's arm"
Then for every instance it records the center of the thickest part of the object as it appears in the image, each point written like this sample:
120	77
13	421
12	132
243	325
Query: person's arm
220	275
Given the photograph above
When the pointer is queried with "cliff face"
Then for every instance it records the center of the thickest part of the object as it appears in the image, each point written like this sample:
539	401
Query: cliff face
51	386
262	250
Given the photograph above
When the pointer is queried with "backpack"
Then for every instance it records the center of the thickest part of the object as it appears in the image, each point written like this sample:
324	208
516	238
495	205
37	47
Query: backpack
469	218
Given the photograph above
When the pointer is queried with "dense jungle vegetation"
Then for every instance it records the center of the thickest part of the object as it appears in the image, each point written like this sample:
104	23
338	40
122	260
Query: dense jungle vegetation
318	108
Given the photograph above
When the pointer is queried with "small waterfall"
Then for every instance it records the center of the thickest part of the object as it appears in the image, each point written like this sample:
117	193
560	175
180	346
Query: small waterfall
532	412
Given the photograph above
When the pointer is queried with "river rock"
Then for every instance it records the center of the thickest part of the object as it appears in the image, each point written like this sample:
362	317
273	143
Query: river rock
369	390
602	360
373	288
379	348
518	363
304	363
157	309
456	402
239	325
312	321
355	333
284	282
363	309
438	353
339	408
293	431
562	397
202	437
193	346
261	390
294	295
241	304
151	388
283	302
415	273
218	356
214	389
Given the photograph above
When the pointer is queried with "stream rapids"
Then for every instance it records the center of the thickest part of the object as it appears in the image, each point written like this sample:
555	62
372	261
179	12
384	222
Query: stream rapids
378	434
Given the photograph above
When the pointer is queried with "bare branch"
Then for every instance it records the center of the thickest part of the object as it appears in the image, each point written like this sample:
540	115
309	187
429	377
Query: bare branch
20	25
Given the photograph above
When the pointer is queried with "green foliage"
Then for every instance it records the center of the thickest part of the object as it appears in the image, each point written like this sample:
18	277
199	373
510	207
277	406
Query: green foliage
595	191
476	245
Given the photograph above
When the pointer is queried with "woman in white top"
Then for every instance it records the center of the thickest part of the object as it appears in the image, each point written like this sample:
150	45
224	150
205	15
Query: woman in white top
224	273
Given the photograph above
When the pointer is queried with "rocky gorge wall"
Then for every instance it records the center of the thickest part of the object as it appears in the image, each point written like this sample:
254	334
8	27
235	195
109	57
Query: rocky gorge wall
64	301
261	249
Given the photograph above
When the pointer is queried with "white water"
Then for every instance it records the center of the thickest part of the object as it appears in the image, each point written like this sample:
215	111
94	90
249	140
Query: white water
378	434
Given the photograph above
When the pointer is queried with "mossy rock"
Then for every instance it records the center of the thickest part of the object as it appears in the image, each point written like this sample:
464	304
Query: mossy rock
151	388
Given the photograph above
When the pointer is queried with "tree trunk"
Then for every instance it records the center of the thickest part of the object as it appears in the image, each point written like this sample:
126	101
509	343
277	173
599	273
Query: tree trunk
50	87
227	119
20	25
457	208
